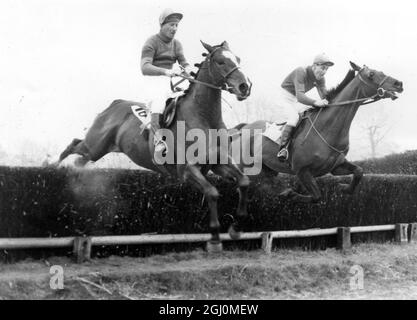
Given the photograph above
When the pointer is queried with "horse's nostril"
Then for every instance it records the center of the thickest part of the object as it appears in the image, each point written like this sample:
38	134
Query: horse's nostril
243	88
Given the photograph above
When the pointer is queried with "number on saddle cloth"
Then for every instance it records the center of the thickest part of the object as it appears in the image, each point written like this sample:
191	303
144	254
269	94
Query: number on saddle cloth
141	112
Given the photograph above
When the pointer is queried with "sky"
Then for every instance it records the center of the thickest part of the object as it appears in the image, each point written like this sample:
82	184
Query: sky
64	61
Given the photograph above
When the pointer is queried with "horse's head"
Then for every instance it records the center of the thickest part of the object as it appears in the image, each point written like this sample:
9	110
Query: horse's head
224	69
385	86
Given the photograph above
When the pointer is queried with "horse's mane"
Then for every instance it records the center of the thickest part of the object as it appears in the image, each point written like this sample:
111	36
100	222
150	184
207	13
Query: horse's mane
198	65
332	93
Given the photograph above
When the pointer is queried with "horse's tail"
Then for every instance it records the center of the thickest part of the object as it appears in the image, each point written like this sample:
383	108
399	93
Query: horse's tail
240	126
117	101
235	131
114	102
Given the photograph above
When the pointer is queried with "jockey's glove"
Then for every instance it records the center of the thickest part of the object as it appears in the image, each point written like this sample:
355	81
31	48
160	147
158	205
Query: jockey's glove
189	70
321	103
173	72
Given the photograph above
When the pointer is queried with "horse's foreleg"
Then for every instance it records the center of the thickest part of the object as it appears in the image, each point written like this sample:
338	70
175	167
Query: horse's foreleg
306	178
347	168
193	175
230	171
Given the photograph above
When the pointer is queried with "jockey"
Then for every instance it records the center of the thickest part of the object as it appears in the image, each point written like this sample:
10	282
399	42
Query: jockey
293	92
159	53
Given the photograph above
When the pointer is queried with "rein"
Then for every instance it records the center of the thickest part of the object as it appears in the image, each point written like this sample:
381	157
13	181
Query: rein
374	98
191	79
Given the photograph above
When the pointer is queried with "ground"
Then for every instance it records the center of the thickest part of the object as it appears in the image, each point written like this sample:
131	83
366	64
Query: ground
390	272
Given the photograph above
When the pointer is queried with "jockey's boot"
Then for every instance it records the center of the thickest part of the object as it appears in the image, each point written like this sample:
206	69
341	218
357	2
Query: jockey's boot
285	138
159	143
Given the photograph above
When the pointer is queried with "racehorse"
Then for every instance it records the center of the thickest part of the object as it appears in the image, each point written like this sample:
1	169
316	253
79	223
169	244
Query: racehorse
321	140
116	129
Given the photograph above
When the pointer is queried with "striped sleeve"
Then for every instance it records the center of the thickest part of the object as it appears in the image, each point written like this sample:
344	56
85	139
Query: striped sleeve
148	52
179	53
299	84
321	88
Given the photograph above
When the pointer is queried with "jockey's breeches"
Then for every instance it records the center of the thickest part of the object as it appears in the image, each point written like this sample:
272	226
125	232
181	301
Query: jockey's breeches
292	107
158	90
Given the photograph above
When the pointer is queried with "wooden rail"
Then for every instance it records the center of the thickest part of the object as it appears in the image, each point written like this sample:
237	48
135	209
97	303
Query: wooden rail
82	245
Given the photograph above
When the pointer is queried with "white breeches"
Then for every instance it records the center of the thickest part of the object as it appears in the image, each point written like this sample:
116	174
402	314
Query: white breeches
292	107
158	90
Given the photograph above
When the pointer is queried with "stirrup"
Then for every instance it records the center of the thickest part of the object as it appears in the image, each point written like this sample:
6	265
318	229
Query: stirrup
283	154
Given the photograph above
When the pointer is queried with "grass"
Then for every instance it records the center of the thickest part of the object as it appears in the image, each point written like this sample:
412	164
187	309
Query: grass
389	273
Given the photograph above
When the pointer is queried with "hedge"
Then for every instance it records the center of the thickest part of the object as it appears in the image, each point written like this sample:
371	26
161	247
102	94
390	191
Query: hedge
45	202
402	163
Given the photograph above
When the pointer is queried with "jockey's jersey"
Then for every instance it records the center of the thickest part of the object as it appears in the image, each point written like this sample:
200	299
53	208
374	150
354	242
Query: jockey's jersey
302	80
162	52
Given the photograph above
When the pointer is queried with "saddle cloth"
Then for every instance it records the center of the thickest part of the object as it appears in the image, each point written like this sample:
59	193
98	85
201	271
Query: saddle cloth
273	131
143	112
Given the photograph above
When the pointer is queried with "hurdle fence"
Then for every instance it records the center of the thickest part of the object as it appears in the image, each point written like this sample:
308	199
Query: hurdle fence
404	233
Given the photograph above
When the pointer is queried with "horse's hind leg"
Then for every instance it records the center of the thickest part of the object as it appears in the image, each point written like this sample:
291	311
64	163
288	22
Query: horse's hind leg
231	172
193	175
347	168
77	146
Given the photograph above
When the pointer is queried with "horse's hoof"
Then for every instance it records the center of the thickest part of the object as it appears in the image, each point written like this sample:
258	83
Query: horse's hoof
235	235
214	246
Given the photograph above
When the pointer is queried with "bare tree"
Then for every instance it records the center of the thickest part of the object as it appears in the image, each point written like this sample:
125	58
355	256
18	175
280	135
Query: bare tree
376	133
375	123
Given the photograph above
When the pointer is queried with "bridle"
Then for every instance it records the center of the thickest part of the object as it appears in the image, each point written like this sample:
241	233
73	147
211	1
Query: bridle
224	77
380	93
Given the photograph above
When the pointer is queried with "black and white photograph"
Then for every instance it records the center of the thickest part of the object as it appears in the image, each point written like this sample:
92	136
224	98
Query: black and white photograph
208	156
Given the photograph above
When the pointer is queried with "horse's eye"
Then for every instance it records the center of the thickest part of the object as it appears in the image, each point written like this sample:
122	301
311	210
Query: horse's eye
371	74
220	63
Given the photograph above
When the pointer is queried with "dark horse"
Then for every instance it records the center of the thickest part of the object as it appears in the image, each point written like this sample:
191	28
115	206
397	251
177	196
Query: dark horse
321	140
116	129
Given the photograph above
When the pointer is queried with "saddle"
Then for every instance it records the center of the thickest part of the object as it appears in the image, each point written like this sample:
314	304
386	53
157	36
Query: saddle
273	130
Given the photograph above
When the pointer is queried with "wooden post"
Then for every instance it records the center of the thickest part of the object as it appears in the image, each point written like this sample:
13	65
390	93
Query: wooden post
82	249
401	233
267	242
412	232
343	238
